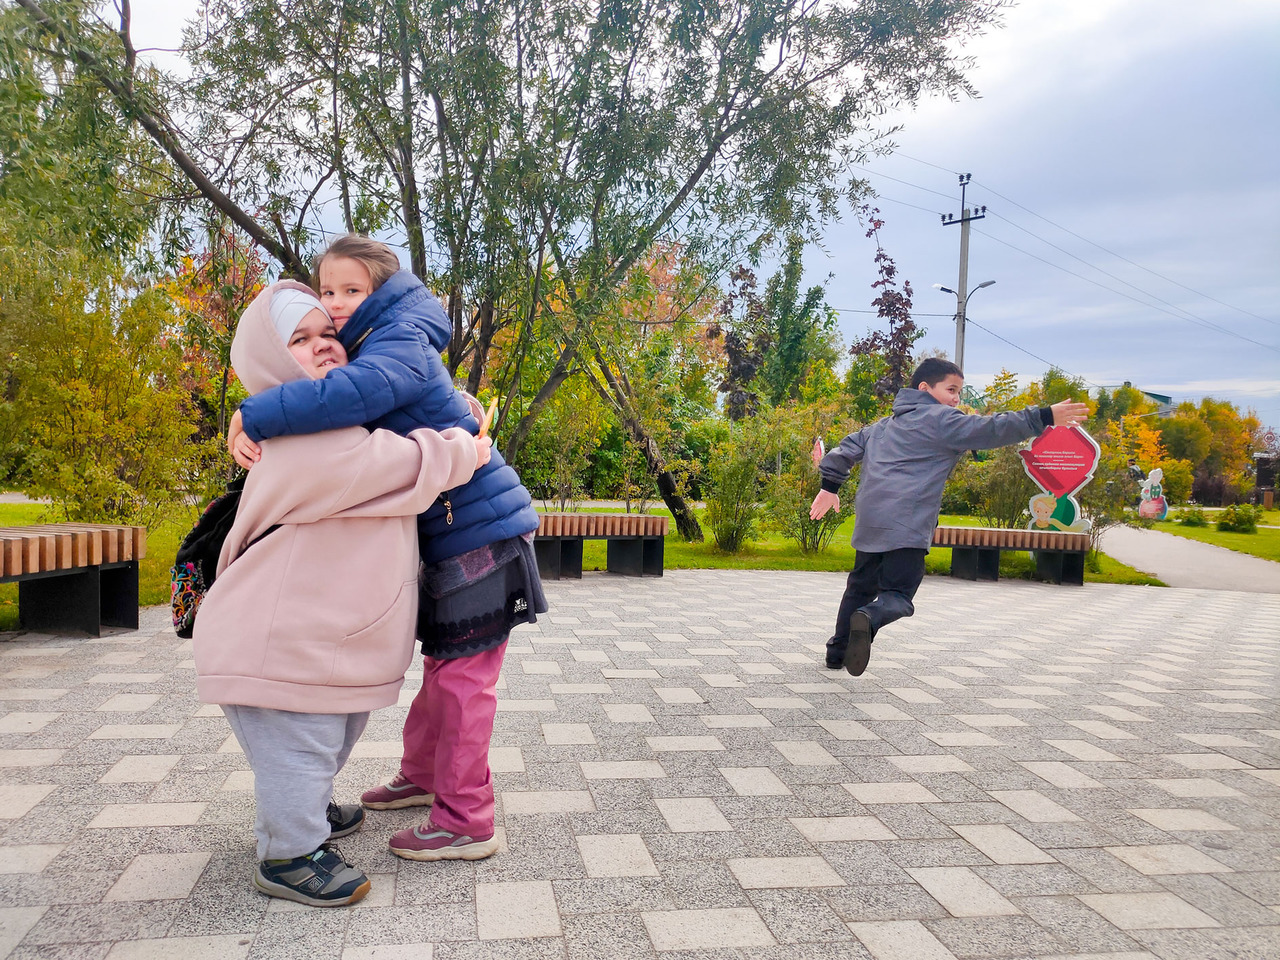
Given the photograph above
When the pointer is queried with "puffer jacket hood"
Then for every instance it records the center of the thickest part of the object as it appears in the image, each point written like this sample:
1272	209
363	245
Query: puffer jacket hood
260	357
402	298
909	398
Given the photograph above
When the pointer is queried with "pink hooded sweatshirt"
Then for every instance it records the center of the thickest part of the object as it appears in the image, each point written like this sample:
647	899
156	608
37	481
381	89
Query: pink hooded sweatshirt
318	616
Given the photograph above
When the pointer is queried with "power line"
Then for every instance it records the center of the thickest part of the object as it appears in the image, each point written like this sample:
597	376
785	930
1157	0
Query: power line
1049	363
1161	276
881	196
905	183
913	312
1154	273
1145	293
1121	293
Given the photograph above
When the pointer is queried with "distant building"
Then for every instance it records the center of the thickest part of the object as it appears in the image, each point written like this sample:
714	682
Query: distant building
1164	405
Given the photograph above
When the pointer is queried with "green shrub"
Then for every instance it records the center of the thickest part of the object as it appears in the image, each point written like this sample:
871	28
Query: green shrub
963	494
790	495
732	488
1240	518
1192	515
1004	489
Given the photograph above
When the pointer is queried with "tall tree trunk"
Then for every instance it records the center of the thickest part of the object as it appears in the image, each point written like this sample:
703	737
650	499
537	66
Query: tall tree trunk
454	306
409	198
559	374
485	328
681	510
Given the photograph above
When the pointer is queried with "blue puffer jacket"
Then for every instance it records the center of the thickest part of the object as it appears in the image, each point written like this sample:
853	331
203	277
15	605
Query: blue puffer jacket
396	380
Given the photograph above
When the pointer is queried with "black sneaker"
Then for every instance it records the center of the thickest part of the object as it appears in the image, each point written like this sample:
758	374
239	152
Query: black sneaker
320	879
344	819
858	653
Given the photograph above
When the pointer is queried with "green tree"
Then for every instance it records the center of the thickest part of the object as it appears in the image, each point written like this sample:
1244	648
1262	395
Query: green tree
800	329
1056	385
98	402
789	494
528	155
1186	436
734	478
74	172
1002	394
1124	401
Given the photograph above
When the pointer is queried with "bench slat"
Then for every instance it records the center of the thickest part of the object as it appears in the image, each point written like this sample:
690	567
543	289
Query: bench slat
42	548
1011	539
601	525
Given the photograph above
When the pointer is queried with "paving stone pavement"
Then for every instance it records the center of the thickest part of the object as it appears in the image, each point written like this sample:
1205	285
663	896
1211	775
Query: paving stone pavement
1025	771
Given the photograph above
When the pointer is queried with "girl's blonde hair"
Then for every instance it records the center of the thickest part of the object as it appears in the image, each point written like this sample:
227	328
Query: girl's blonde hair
375	256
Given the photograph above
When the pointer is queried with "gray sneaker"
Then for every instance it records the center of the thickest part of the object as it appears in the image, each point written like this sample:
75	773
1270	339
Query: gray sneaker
344	819
320	879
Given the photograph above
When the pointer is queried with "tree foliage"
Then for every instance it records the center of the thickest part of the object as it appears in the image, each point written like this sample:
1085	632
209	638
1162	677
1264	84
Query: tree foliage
889	349
525	154
98	401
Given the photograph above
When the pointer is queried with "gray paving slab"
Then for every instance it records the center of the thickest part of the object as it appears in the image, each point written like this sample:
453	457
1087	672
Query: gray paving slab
1024	771
1180	562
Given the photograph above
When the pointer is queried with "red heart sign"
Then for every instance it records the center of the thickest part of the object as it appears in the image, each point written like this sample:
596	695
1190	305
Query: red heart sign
1061	460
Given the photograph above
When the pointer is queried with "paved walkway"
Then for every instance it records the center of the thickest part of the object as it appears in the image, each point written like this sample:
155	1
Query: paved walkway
1026	771
1180	562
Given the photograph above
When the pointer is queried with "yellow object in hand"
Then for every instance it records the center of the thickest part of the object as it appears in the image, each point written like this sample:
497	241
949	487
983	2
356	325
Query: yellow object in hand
488	418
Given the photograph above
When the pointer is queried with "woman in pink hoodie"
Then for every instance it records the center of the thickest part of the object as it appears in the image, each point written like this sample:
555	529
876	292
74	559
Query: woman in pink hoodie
311	627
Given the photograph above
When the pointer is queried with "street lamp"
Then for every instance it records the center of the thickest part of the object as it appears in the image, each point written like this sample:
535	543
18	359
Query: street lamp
962	306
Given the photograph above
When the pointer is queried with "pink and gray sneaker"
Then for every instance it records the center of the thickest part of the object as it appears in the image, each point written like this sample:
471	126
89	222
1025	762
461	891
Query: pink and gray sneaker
400	792
429	842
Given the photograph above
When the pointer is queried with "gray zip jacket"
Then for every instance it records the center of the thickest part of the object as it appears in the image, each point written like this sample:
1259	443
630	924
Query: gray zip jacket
906	459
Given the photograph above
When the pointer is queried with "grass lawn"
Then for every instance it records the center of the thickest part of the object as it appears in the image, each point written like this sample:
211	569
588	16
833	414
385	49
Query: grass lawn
770	552
1265	543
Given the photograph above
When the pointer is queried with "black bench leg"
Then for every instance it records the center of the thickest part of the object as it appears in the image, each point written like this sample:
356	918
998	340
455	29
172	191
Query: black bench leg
571	558
547	550
653	551
625	557
975	563
119	596
1073	569
964	563
1049	566
70	602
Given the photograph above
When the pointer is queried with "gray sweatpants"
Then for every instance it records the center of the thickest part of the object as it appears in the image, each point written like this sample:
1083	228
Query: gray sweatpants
294	757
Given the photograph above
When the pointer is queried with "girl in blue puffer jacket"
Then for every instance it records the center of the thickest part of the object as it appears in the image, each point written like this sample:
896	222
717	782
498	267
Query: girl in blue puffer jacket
480	576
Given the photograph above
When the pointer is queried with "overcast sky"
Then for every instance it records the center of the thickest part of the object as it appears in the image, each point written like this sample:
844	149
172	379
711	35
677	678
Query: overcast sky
1150	129
1127	152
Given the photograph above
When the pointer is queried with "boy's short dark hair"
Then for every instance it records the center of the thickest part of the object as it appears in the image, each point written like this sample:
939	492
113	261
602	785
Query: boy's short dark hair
934	370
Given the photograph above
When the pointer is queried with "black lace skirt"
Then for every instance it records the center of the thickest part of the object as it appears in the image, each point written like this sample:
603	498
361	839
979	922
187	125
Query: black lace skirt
468	604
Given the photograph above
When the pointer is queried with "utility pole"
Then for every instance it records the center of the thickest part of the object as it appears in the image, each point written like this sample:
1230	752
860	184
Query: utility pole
967	216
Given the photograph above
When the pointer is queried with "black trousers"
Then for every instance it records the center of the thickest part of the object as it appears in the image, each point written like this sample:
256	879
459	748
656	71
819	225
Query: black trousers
881	585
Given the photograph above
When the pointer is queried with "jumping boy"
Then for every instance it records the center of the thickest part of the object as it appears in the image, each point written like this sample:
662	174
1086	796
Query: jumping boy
906	459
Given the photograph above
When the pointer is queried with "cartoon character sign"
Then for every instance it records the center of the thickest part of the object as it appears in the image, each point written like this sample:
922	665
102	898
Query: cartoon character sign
1060	461
1153	503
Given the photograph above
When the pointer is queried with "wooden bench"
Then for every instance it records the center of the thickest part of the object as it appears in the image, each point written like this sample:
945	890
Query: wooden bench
635	543
975	552
74	576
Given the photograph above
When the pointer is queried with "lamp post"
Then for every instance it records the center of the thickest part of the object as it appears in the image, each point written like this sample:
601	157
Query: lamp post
962	307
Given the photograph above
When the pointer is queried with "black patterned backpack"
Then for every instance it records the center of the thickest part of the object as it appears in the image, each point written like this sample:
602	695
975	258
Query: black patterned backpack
196	565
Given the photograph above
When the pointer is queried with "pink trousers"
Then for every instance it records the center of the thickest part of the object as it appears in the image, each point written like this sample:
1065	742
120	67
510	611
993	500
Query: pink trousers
446	740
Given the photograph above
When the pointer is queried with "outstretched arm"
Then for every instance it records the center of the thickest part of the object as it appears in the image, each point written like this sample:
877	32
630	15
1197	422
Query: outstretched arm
1068	413
834	469
961	431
